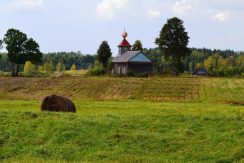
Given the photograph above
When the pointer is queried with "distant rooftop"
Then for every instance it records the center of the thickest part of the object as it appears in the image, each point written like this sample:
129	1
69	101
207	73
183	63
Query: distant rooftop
128	56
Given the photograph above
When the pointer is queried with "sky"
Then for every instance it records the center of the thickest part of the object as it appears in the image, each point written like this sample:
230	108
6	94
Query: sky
81	25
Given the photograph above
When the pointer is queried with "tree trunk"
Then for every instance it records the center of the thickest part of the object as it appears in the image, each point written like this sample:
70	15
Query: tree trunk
172	68
15	69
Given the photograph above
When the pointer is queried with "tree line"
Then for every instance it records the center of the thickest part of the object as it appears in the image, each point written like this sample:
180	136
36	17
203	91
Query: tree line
171	55
216	62
58	60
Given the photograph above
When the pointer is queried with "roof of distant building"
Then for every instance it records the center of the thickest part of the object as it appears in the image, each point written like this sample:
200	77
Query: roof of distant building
200	71
124	43
130	55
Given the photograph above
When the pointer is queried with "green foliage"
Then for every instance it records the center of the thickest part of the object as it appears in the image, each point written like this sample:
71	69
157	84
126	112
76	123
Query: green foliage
96	71
217	62
137	45
20	49
60	67
40	68
48	67
104	54
70	58
4	63
5	74
229	66
173	41
73	67
1	42
29	68
31	51
131	73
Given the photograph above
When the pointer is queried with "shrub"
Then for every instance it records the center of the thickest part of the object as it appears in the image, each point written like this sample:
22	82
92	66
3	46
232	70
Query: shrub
73	67
131	73
242	75
97	71
5	74
143	75
29	69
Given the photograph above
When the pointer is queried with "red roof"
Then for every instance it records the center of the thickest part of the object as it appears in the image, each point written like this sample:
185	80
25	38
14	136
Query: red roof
124	43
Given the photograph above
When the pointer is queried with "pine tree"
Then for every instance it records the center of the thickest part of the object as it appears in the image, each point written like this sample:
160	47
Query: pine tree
104	54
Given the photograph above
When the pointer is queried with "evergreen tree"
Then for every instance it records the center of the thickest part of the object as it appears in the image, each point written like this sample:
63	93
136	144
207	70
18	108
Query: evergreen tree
137	45
104	54
173	41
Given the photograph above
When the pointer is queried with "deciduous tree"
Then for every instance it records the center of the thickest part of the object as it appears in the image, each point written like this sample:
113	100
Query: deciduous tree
137	45
1	42
29	68
73	67
173	41
20	49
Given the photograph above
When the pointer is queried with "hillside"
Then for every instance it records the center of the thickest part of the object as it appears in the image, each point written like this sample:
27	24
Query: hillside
106	88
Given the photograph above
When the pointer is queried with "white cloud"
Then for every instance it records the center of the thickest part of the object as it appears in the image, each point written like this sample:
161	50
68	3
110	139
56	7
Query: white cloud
181	7
108	9
222	16
26	4
153	13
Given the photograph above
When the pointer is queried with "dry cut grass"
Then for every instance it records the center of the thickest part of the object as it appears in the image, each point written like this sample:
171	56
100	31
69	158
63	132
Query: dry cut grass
159	89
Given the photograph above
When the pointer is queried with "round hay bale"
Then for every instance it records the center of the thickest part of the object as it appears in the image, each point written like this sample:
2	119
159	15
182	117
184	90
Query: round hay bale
56	103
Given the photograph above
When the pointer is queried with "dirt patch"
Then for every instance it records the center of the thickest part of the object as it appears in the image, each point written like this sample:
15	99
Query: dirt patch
241	103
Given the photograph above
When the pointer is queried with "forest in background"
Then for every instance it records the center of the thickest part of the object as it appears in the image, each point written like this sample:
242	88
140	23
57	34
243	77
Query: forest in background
216	62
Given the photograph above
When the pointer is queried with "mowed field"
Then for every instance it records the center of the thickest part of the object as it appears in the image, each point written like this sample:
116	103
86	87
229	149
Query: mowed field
123	120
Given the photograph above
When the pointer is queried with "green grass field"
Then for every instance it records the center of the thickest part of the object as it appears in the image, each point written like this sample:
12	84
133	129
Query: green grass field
142	120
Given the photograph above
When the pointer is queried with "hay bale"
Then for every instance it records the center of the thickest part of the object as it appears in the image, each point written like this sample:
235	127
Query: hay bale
56	103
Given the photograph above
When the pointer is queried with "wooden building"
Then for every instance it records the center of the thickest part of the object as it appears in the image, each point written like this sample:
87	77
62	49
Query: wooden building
200	72
128	60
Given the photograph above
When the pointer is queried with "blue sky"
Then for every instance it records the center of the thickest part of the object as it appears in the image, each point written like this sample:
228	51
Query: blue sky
81	25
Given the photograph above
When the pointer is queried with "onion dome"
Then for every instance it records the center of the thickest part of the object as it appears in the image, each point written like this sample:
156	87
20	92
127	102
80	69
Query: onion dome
124	42
124	34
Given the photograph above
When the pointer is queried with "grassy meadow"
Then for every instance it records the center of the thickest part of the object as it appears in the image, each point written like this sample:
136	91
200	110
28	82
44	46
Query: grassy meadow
123	120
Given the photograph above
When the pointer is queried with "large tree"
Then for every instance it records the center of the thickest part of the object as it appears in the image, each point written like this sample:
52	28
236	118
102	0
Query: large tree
104	54
21	49
137	45
173	41
1	42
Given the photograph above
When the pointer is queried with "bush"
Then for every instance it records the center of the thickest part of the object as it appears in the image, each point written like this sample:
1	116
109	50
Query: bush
131	73
73	67
97	71
29	69
5	74
143	75
242	75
